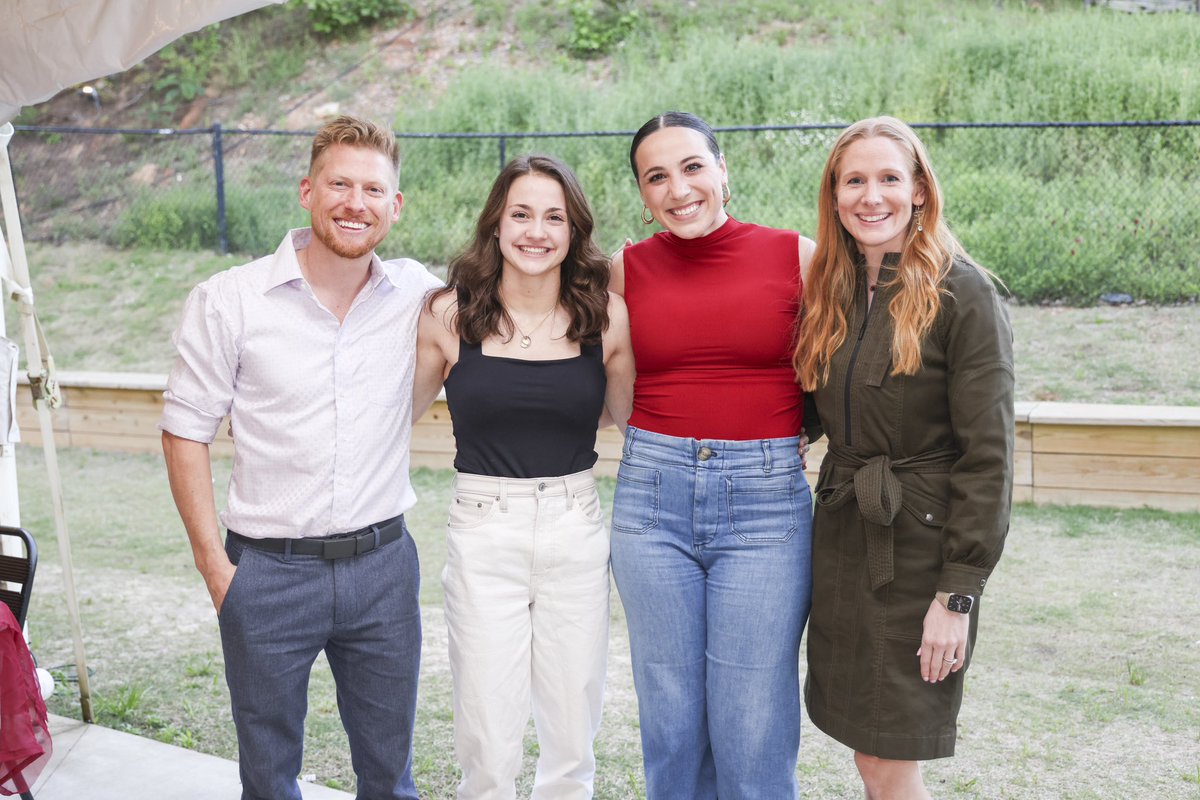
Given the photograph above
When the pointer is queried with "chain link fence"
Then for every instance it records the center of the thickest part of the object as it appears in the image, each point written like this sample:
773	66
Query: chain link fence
1058	210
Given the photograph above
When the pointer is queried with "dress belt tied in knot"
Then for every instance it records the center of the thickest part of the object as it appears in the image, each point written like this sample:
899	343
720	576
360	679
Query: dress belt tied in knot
879	494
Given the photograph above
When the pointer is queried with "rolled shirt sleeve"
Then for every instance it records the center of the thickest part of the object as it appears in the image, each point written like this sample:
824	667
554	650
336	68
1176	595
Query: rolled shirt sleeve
201	384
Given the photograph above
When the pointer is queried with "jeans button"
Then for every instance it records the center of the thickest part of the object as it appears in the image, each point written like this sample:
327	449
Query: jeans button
705	453
541	487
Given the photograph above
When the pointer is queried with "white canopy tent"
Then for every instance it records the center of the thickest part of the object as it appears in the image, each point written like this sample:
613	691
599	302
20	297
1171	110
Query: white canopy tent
46	46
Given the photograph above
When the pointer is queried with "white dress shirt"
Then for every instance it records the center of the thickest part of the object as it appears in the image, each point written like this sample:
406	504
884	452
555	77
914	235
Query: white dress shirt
321	411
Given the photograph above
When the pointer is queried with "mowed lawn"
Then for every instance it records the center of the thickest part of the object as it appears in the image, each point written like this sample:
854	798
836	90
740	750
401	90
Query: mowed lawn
1084	683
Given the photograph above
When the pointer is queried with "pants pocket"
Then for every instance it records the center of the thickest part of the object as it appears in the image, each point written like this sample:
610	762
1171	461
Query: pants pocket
471	509
242	557
762	508
588	503
635	504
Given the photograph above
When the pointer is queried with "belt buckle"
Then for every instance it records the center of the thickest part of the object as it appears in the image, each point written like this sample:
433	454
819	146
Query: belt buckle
340	548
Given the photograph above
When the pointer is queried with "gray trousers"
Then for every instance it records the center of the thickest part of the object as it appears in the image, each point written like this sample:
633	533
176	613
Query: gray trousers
363	611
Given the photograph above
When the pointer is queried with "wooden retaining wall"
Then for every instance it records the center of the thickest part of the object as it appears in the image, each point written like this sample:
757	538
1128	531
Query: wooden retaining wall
1070	453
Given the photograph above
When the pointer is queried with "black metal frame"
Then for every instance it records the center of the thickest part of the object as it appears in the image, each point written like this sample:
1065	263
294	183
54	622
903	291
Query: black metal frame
18	569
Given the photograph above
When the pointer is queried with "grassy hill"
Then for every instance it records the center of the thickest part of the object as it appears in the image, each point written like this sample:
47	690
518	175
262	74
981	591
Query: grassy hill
1059	213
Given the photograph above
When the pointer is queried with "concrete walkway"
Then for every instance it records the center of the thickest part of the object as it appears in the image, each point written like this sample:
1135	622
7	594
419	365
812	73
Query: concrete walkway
102	764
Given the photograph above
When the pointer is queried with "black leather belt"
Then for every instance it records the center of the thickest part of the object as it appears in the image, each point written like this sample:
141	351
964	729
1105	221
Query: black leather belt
339	545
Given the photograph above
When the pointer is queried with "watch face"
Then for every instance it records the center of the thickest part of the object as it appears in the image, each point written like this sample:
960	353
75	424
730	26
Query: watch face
960	602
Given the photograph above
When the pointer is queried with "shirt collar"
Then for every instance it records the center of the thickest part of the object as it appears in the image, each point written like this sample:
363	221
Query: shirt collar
285	265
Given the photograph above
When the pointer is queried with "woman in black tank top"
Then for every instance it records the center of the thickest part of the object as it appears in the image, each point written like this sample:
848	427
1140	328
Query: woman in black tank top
533	353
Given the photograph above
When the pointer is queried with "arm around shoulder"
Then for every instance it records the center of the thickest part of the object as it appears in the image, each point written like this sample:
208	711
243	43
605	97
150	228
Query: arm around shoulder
618	365
435	335
616	277
807	248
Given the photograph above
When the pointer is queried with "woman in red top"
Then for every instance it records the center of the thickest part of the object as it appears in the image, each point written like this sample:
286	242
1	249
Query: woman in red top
711	544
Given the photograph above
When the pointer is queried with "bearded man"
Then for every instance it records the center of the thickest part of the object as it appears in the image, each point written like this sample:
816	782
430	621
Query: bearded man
310	351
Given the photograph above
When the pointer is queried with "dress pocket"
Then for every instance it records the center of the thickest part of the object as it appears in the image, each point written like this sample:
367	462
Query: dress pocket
635	504
762	508
471	509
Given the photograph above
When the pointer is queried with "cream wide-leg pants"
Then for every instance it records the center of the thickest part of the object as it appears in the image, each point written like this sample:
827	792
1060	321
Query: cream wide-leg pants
526	585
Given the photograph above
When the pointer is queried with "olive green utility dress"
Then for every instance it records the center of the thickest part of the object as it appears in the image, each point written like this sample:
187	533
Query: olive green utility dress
913	497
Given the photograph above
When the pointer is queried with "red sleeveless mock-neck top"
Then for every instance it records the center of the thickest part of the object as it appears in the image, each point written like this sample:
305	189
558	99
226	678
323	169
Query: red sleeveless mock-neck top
712	321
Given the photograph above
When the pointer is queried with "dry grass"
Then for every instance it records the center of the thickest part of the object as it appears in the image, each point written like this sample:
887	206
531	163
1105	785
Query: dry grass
1126	354
1084	684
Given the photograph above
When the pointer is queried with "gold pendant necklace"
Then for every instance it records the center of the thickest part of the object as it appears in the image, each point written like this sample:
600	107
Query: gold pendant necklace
525	341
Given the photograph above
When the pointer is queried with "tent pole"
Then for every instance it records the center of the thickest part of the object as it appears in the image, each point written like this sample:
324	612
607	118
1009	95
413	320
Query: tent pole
38	364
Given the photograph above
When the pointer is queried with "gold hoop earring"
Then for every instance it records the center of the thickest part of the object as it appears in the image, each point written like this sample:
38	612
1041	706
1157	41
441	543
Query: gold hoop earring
646	211
726	194
919	217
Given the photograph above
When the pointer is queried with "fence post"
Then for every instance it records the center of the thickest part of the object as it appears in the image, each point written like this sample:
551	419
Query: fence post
219	174
503	145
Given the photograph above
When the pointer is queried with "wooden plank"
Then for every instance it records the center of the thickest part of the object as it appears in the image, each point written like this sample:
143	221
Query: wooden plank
1128	474
1022	468
32	436
118	442
1105	414
1024	437
1022	494
1173	442
146	381
115	422
27	419
1065	452
1117	499
113	398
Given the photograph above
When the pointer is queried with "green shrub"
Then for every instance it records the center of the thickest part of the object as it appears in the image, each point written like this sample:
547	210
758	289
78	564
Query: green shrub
1050	210
336	17
177	219
188	64
186	219
598	26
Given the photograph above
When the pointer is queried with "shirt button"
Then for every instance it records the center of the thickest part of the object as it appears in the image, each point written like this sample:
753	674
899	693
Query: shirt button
705	453
541	487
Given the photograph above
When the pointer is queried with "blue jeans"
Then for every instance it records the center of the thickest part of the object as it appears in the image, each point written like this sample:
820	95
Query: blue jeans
279	613
712	555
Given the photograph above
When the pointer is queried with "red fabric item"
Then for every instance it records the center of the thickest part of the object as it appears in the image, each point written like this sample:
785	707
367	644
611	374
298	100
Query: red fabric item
25	745
712	323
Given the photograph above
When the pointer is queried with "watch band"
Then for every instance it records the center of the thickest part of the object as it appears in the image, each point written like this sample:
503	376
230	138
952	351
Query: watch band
958	603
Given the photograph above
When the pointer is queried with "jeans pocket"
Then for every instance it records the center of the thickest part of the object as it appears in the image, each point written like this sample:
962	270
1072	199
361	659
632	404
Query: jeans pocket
762	508
588	503
635	504
470	509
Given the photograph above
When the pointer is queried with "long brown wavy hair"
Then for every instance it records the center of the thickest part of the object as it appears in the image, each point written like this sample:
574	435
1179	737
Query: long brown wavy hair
474	274
924	262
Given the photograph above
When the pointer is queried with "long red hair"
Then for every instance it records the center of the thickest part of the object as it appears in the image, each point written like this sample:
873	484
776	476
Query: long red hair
924	261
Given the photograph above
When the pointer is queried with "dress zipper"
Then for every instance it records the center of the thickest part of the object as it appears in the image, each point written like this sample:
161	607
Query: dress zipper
850	371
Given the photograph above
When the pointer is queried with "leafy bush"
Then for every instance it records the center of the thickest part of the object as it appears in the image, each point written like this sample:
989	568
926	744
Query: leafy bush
177	219
1052	211
186	219
187	65
335	17
596	28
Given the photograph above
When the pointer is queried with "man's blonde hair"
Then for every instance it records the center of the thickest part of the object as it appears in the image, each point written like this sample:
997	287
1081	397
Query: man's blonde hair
355	132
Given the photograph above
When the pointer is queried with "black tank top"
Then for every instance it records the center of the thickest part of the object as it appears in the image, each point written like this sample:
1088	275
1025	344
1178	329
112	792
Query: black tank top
525	419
